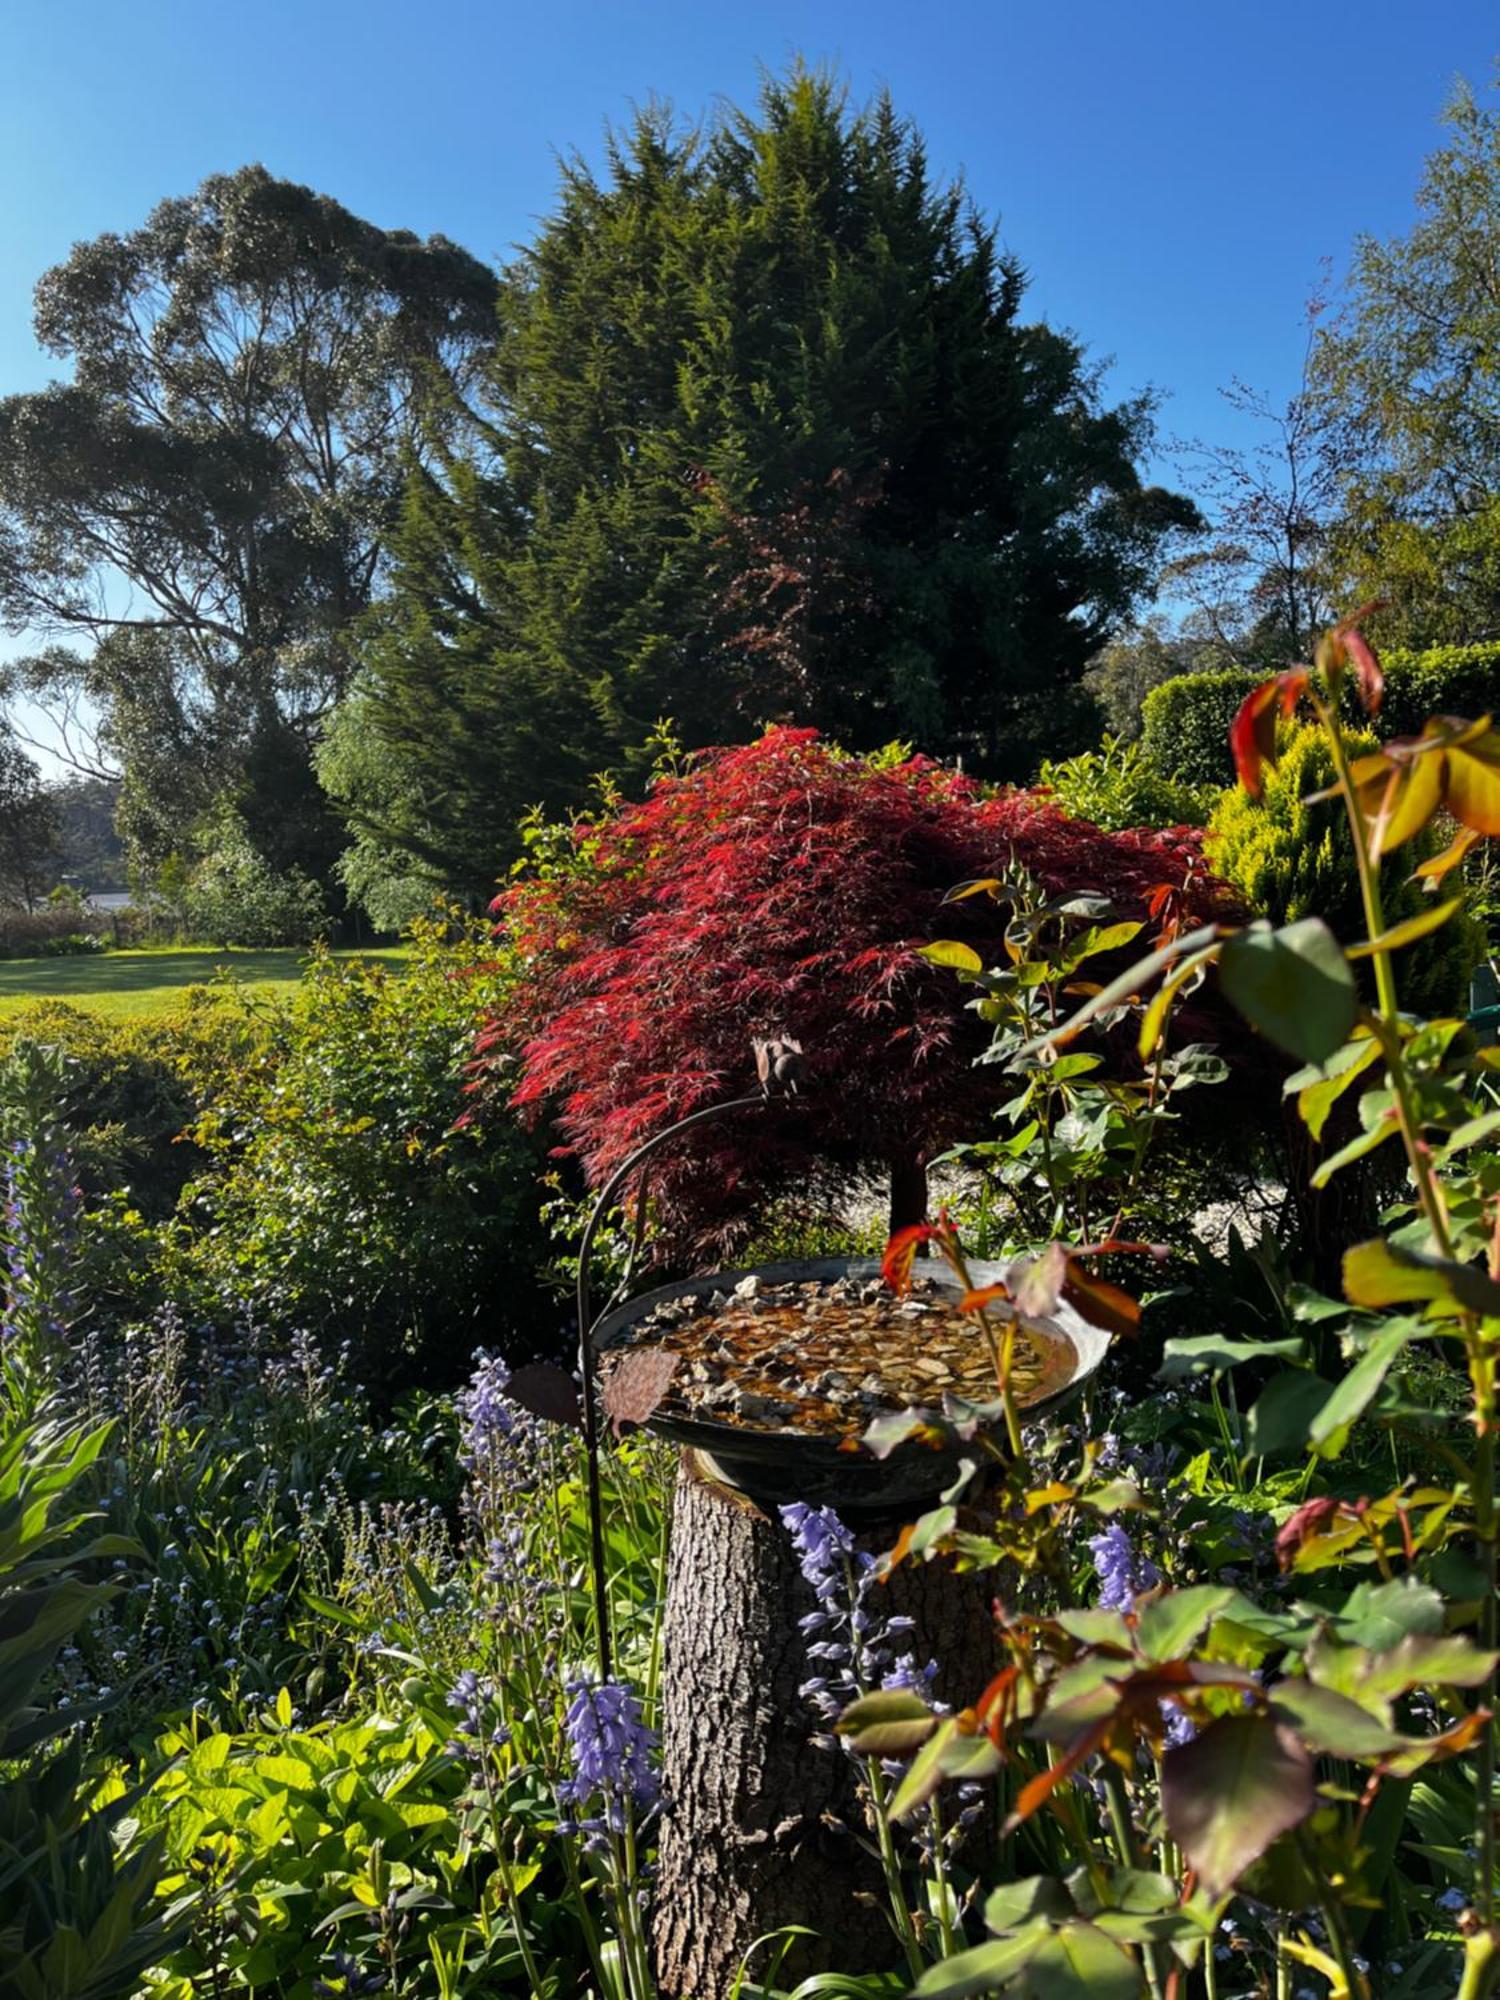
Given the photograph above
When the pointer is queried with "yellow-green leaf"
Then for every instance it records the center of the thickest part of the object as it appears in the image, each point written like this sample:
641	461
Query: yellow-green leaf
948	951
1408	932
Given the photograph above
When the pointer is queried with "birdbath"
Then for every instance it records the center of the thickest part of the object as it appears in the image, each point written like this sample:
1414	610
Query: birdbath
776	1373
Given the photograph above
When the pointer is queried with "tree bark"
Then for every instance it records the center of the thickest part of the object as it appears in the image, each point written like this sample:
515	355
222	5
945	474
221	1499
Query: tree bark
908	1194
763	1827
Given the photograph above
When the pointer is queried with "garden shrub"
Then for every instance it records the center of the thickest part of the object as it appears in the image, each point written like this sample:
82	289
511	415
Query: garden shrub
80	1915
1439	680
235	896
1291	858
341	1197
54	931
1118	786
783	887
134	1087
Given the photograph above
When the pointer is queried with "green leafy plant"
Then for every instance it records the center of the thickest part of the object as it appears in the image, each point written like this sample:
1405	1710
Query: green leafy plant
236	897
78	1888
1288	855
1078	1127
1119	786
345	1194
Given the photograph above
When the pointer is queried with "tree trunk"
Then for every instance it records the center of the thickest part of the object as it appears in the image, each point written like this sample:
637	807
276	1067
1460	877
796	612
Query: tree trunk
762	1826
908	1193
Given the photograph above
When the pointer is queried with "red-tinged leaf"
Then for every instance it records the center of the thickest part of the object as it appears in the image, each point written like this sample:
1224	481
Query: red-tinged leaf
636	1382
1239	1785
1435	1749
1357	652
995	1706
1101	1303
1252	734
1304	1523
901	1254
1368	677
1045	1783
985	1296
1037	1282
548	1392
1120	1246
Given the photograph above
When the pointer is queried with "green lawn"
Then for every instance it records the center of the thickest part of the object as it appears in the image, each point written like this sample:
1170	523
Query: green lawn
120	983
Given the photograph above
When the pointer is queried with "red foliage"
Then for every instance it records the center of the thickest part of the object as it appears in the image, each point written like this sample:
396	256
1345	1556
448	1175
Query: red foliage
783	888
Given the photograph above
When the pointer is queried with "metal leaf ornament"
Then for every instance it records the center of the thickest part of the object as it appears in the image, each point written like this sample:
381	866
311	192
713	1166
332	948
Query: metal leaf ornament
546	1391
635	1385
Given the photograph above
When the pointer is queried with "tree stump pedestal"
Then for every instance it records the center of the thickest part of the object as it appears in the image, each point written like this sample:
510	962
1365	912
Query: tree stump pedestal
762	1827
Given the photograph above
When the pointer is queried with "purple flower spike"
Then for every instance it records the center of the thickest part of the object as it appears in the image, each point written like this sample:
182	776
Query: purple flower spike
1123	1574
613	1752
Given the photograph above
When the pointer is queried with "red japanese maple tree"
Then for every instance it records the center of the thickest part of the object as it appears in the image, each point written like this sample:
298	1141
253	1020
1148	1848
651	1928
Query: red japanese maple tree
783	888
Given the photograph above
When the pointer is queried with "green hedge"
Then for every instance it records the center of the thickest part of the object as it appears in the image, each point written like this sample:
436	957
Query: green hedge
1443	680
1186	720
1185	726
1117	787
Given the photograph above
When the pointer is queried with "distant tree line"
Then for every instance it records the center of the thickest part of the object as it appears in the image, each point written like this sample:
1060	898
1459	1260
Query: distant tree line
351	548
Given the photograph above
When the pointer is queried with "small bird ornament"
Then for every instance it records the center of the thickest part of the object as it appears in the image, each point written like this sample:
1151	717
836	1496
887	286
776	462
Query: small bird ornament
778	1064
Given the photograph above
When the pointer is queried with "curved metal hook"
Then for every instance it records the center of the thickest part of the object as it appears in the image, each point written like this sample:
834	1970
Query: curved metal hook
586	1328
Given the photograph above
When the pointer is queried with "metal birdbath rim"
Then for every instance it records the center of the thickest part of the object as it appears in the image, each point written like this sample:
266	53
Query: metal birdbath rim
777	1467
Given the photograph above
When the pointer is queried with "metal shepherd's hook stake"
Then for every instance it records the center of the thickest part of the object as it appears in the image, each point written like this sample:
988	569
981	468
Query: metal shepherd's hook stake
778	1065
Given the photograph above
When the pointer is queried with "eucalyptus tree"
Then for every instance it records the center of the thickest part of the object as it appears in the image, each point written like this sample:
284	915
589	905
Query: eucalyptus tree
1410	373
203	508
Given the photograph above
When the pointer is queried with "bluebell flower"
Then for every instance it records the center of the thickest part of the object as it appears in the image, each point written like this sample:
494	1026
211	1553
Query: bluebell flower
848	1634
613	1753
502	1444
1123	1574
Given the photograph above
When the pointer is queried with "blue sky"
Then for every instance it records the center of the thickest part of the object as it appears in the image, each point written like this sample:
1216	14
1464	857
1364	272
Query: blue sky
1171	175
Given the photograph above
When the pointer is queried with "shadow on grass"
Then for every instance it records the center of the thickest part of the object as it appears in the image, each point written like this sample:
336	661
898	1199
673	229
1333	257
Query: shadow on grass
139	971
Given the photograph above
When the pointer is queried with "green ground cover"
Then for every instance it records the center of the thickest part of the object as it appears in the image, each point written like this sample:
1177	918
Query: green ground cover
123	984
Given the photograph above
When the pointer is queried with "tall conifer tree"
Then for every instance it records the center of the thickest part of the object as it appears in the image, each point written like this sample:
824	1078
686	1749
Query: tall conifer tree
764	438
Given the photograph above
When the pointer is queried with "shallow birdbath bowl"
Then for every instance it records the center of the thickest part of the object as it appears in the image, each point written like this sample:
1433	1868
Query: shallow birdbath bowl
780	1370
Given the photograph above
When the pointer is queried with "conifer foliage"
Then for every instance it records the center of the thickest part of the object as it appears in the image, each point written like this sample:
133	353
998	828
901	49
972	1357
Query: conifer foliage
780	887
765	439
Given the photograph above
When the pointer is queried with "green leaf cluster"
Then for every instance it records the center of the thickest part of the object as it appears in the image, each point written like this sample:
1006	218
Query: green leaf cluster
1119	786
345	1191
1289	857
79	1918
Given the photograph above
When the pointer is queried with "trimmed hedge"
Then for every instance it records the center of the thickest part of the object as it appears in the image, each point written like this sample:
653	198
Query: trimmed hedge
1185	725
1186	720
1442	680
